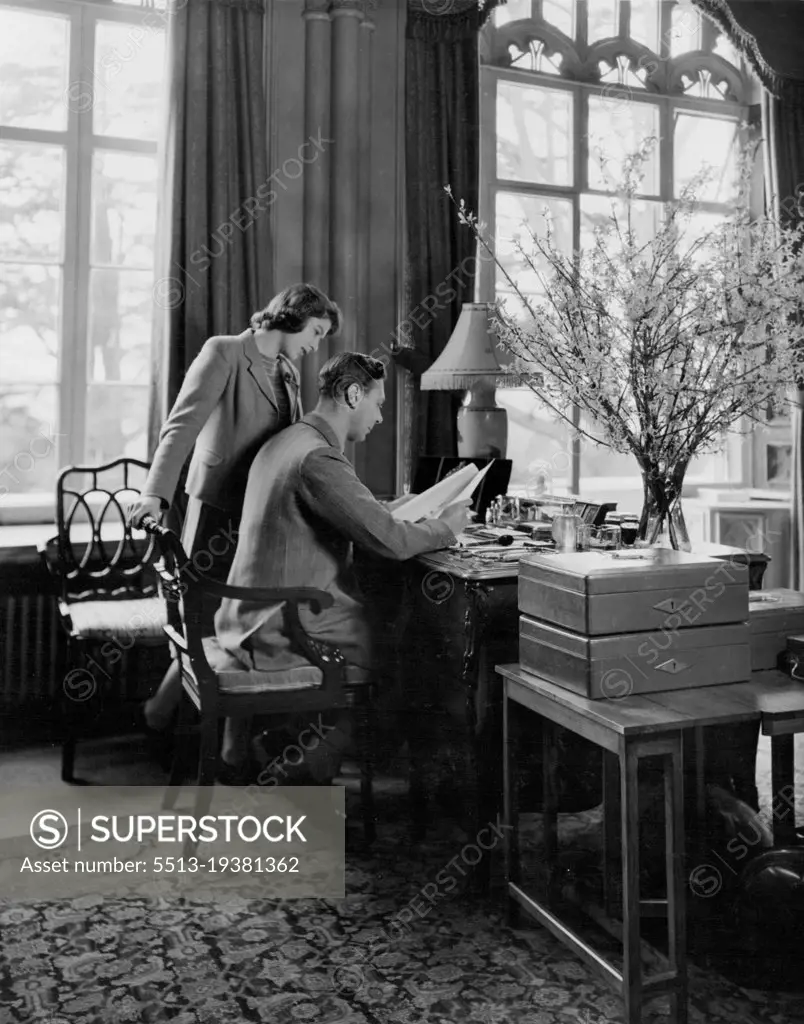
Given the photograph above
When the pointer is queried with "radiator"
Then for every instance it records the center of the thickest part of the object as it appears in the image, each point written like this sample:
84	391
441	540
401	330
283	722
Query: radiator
32	649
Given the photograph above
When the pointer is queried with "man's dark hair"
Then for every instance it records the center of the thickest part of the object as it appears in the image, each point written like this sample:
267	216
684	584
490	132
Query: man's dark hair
348	368
290	310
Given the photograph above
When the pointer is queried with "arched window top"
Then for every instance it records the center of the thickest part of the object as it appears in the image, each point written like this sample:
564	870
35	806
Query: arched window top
653	45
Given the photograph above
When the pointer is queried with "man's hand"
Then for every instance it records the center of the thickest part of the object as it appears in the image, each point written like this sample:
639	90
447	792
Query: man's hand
145	505
456	516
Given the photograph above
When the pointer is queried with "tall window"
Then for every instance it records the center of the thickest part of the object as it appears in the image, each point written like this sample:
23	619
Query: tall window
569	89
81	89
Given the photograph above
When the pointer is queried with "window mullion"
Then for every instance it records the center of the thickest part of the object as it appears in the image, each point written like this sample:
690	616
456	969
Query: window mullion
83	240
485	279
666	151
624	19
581	182
80	94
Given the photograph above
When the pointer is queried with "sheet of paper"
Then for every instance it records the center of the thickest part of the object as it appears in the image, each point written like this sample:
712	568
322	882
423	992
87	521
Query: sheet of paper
457	487
471	487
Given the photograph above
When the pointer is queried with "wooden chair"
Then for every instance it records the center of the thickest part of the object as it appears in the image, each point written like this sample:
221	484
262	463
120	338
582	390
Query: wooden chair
107	589
214	694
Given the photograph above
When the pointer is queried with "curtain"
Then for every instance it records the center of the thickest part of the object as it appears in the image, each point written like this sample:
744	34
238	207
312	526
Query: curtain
213	252
442	109
783	125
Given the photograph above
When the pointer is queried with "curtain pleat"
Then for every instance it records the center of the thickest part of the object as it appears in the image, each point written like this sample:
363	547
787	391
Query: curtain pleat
442	148
783	128
213	251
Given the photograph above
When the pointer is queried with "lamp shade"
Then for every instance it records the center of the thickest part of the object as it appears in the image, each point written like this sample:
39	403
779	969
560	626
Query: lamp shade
469	355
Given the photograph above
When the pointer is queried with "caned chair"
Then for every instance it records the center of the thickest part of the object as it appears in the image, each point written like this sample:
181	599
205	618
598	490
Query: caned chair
107	591
213	690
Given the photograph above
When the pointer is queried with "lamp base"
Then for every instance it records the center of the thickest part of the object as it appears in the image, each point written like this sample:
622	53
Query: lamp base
482	425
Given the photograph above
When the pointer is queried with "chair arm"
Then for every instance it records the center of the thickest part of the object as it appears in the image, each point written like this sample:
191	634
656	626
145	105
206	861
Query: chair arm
270	595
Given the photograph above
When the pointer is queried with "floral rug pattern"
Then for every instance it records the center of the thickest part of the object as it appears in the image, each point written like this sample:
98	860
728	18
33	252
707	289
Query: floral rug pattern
409	945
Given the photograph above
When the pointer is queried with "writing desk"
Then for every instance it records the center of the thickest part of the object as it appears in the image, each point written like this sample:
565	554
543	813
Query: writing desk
628	730
463	620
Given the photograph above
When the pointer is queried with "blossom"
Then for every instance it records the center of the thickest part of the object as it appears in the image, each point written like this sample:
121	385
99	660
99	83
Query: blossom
664	343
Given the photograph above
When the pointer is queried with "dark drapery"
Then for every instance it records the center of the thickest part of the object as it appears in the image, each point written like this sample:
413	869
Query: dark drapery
783	125
213	260
442	109
771	37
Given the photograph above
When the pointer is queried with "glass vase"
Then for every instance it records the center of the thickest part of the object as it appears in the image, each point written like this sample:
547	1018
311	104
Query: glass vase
662	523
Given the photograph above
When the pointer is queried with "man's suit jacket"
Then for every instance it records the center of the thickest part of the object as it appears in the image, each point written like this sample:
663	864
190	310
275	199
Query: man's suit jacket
227	408
304	509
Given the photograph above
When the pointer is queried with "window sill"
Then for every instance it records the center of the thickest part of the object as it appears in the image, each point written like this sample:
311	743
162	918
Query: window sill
18	544
26	509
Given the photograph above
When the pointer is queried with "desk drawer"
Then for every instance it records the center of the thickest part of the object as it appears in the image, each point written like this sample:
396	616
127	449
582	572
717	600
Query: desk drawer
616	666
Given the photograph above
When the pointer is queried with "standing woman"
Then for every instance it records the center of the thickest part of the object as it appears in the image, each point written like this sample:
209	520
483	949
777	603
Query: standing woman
238	392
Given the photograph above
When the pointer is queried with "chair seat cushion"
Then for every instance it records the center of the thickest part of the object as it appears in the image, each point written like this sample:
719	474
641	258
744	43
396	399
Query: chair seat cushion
138	618
235	678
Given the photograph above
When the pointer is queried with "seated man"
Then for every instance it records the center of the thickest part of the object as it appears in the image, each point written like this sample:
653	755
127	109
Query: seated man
304	509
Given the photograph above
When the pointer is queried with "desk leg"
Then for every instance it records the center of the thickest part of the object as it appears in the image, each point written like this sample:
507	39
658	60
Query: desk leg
550	808
674	868
511	813
632	958
612	889
782	782
481	761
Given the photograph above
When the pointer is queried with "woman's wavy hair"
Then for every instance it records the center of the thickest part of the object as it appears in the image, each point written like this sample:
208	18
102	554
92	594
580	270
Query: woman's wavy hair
290	310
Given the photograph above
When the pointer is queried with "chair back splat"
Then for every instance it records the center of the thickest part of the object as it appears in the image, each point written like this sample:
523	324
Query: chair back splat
101	555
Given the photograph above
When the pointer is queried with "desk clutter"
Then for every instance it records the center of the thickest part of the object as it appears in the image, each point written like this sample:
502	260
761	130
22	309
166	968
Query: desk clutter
611	624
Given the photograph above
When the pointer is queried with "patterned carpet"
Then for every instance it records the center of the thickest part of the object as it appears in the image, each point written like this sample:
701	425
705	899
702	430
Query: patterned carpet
409	945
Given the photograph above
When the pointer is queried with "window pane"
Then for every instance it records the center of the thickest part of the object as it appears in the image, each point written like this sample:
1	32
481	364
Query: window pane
123	209
116	422
706	142
616	131
560	13
120	309
534	134
517	219
514	10
602	20
538	444
642	216
31	201
28	439
128	79
685	31
34	93
645	17
29	317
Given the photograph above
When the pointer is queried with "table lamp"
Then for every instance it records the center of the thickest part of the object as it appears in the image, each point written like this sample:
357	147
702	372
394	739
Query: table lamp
470	362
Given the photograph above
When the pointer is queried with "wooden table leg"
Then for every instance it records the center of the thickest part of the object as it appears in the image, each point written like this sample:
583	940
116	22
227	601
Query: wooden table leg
612	887
782	785
674	870
632	958
550	808
510	813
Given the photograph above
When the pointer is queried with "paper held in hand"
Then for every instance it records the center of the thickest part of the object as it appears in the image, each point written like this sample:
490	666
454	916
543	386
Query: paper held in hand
458	486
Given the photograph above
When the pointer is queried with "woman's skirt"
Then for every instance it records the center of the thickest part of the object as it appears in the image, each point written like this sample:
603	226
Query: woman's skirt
209	538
